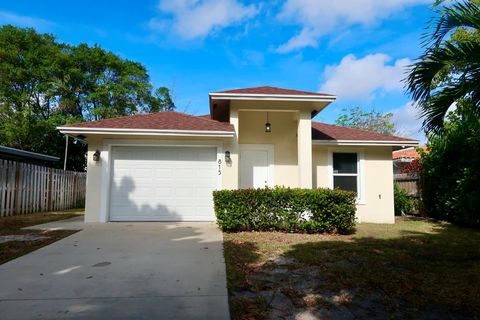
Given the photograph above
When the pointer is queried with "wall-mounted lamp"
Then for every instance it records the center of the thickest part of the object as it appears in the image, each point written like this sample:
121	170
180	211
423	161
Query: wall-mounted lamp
96	156
268	126
227	157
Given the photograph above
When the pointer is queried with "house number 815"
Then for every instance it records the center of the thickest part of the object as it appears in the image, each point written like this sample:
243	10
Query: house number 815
219	167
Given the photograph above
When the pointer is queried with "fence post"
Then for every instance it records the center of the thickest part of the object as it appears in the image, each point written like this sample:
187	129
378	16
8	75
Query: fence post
74	204
3	186
18	188
49	190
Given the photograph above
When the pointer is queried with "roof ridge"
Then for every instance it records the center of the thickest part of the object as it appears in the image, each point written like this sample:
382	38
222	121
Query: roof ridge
273	91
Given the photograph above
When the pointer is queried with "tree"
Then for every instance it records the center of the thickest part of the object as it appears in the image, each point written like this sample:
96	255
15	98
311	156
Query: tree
44	84
450	175
367	120
449	73
449	69
162	100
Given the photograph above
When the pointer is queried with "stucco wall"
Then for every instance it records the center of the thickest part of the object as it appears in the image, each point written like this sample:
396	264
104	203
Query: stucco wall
377	165
283	137
95	193
377	176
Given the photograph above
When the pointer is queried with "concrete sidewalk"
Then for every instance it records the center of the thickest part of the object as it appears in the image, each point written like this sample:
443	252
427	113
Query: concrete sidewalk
150	270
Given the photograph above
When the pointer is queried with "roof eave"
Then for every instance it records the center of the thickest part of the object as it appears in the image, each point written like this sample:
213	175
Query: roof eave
404	160
27	154
409	143
276	97
145	132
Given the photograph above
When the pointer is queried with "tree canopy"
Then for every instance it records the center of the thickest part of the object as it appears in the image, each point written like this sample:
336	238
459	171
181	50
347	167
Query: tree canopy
449	69
444	81
45	83
372	120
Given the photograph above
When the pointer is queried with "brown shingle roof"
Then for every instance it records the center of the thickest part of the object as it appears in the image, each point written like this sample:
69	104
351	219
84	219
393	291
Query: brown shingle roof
273	90
171	120
323	131
166	120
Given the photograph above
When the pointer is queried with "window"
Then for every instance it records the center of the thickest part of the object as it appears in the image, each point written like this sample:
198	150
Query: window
345	171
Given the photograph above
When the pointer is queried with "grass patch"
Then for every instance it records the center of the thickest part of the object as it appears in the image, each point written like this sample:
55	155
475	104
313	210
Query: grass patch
13	226
418	262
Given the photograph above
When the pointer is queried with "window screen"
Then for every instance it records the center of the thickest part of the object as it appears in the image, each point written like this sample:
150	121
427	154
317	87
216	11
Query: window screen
345	183
345	171
345	163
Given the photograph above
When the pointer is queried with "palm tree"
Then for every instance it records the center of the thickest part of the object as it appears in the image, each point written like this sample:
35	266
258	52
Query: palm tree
449	69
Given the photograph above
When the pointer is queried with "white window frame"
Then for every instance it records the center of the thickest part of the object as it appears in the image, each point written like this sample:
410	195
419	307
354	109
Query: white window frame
360	171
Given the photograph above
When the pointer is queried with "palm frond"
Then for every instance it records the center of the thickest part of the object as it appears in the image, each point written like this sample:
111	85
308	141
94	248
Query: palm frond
464	83
463	14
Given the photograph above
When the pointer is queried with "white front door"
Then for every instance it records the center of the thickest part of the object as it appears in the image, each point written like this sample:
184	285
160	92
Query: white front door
256	166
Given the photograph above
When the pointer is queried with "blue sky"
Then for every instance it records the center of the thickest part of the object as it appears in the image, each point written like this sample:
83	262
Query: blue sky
357	49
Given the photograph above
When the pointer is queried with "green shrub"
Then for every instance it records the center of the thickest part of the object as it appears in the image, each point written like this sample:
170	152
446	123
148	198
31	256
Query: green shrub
285	209
451	172
404	203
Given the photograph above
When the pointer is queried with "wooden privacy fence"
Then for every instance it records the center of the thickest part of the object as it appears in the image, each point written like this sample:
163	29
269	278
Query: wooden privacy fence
27	188
409	183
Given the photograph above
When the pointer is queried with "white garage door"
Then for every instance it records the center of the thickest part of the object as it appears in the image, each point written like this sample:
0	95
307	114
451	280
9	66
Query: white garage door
163	183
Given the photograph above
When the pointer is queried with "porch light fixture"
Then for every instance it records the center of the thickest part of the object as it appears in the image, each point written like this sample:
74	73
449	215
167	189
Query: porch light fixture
227	157
96	156
268	126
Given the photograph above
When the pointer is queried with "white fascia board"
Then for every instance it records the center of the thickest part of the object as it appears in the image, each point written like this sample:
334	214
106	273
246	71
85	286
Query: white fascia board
149	132
403	160
276	97
409	148
364	143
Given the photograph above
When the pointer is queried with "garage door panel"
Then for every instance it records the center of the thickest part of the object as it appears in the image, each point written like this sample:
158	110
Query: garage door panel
163	183
185	173
165	192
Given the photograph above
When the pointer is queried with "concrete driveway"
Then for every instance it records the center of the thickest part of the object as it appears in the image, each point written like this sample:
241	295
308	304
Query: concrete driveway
120	271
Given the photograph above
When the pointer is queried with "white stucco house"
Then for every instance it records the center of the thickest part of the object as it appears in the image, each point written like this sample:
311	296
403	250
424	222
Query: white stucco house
164	166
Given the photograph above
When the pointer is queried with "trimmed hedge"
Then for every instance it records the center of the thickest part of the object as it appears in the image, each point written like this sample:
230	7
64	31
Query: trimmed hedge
285	209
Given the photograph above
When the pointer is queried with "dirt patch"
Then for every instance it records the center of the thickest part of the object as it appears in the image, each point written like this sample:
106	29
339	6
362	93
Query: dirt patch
414	269
15	242
290	291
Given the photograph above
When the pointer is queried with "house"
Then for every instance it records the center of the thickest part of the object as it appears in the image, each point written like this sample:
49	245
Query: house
402	158
8	153
164	166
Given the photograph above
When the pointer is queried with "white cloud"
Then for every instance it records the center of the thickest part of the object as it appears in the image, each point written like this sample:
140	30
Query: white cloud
364	78
24	21
408	122
191	19
320	17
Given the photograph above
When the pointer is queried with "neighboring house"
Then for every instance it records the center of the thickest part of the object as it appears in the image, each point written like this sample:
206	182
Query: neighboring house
164	166
8	153
402	158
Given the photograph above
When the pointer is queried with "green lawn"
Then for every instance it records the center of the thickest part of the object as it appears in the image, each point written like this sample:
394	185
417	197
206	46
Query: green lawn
415	265
13	226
